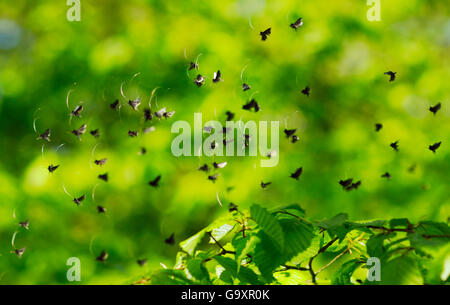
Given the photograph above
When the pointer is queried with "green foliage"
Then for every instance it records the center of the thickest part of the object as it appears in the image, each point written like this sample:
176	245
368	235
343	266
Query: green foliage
280	247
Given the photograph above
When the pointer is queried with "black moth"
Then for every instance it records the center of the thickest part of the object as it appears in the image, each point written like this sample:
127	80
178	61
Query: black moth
25	224
213	178
95	133
230	115
80	131
204	168
102	257
142	262
199	80
77	111
348	184
265	33
386	175
219	165
306	91
52	168
217	76
101	209
114	105
298	23
394	145
132	133
193	66
134	103
155	182
378	126
245	87
232	207
294	139
103	177
434	147
264	185
79	199
170	240
45	136
391	75
435	108
297	173
289	132
20	252
251	105
101	161
148	114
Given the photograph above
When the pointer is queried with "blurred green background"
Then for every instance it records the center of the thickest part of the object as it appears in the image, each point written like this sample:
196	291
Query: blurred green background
337	52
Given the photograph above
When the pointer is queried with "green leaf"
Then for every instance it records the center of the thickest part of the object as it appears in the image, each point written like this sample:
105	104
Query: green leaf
268	224
169	277
375	245
298	236
345	272
293	209
220	232
399	222
189	245
266	255
248	276
229	264
402	270
197	269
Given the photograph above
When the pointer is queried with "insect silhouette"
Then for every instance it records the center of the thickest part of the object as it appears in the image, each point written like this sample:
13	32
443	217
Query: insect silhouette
95	133
101	161
148	114
199	80
52	168
435	108
114	105
230	115
79	200
143	151
434	147
169	114
45	136
378	127
265	34
219	165
394	145
306	91
289	132
217	76
170	240
391	74
226	142
232	207
193	65
25	224
386	175
264	185
252	105
213	145
294	139
132	133
102	257
77	111
142	262
101	209
213	178
155	182
103	177
204	168
346	183
298	23
80	131
134	103
20	252
297	173
245	87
